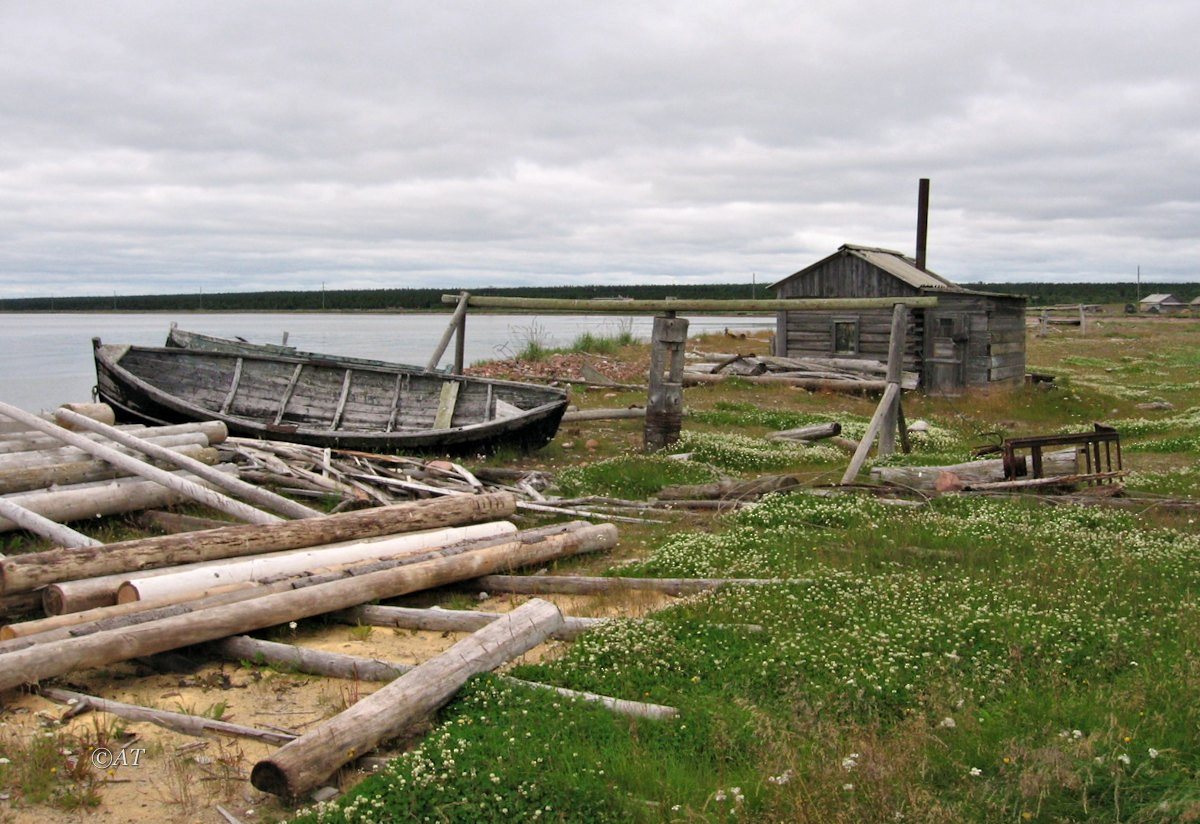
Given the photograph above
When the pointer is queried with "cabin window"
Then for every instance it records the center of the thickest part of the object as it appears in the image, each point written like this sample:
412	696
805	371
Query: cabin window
845	337
945	327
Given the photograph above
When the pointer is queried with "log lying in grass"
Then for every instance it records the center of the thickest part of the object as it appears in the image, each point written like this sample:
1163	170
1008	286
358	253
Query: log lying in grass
603	415
86	501
814	432
338	665
31	521
182	722
956	476
99	649
449	620
584	585
813	384
135	466
175	522
247	492
208	574
22	479
729	488
302	764
41	568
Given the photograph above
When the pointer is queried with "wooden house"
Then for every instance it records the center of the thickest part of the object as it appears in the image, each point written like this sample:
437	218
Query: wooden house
1162	304
971	339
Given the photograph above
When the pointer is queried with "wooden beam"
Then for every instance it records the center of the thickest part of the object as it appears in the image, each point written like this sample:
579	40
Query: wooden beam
233	387
287	393
463	300
446	405
628	307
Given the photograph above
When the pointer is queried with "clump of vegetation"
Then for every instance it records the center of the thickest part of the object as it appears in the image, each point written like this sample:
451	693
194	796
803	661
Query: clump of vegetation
740	453
633	477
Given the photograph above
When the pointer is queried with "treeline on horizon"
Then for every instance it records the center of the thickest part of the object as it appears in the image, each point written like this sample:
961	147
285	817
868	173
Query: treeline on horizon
1039	294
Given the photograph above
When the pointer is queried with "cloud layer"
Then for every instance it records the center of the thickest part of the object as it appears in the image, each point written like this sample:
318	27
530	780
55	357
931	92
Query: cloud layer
228	146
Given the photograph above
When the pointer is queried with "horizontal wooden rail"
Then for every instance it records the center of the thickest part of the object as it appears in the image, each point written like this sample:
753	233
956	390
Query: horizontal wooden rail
627	307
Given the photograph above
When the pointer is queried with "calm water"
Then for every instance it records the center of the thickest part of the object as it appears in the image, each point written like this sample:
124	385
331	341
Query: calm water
46	360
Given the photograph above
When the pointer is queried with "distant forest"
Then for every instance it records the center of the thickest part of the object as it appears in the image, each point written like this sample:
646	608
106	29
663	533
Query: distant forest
1040	294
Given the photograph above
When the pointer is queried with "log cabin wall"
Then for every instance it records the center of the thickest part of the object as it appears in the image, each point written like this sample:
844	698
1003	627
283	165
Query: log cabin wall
971	339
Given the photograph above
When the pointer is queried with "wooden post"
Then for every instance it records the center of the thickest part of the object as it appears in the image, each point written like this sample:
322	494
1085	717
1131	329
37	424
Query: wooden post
864	446
184	487
1082	320
664	402
460	344
895	368
459	312
302	764
107	647
230	483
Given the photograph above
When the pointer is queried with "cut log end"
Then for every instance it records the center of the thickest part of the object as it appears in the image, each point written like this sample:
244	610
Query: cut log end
270	778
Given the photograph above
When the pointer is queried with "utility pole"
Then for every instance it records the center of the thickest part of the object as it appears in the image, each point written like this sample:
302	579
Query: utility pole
753	285
322	296
1139	284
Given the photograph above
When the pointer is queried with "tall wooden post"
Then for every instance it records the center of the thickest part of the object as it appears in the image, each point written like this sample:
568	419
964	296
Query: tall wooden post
455	325
664	404
460	344
895	371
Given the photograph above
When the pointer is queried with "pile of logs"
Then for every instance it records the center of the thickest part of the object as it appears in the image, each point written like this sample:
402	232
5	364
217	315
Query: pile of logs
831	374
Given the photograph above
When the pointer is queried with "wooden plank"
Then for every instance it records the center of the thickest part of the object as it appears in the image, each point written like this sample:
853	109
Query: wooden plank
341	406
1006	348
1007	373
446	405
233	387
287	393
397	394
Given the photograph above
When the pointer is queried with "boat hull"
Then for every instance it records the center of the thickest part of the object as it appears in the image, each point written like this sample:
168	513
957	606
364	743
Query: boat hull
327	403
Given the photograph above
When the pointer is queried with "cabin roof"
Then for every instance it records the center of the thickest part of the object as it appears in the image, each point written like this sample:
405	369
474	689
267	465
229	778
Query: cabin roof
899	266
1196	301
1161	298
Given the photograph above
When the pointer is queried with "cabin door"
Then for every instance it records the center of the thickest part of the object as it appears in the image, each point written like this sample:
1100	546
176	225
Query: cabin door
946	352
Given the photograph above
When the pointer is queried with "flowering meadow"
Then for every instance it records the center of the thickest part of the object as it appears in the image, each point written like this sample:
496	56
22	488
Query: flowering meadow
964	659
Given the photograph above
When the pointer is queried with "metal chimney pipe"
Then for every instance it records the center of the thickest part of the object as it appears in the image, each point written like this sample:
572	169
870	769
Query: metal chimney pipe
922	221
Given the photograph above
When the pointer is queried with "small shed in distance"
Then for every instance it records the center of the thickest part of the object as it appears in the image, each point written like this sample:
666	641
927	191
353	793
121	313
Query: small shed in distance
1162	304
971	339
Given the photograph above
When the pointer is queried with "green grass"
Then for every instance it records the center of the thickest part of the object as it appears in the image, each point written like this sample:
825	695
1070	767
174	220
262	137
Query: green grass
633	477
1028	663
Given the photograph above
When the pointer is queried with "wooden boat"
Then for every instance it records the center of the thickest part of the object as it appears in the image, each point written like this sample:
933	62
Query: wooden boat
332	402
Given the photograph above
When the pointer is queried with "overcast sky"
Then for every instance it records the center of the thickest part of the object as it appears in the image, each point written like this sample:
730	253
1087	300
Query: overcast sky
169	147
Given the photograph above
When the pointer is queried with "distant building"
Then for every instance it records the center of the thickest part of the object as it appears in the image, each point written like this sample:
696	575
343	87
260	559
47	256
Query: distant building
1195	304
1162	304
970	339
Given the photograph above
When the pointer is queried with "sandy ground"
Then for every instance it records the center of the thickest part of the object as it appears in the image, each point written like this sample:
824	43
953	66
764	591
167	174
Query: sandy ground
182	779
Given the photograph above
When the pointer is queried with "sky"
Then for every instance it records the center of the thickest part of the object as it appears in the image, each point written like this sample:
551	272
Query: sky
229	146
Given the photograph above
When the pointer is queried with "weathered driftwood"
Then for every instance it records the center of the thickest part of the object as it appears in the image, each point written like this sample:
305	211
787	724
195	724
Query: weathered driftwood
214	432
891	415
813	432
99	649
187	724
956	476
339	665
729	488
196	579
456	324
33	522
864	446
302	764
86	501
183	486
41	568
585	585
603	415
1042	483
230	483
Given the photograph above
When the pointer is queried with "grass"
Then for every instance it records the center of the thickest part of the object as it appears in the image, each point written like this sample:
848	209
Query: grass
533	343
631	476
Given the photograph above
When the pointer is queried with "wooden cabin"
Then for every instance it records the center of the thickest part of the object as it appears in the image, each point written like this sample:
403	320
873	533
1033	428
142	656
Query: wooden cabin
1162	304
971	339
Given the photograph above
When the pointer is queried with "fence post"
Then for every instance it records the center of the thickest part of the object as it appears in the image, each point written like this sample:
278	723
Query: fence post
664	402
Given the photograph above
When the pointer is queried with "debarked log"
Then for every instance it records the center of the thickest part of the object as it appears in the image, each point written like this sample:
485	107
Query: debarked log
53	566
84	502
729	488
956	476
23	479
302	764
99	649
340	665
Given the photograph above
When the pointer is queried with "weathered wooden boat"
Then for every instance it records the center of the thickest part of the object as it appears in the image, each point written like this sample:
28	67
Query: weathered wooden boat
332	402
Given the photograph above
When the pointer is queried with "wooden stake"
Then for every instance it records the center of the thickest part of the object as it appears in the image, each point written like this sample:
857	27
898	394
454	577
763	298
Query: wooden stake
302	764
